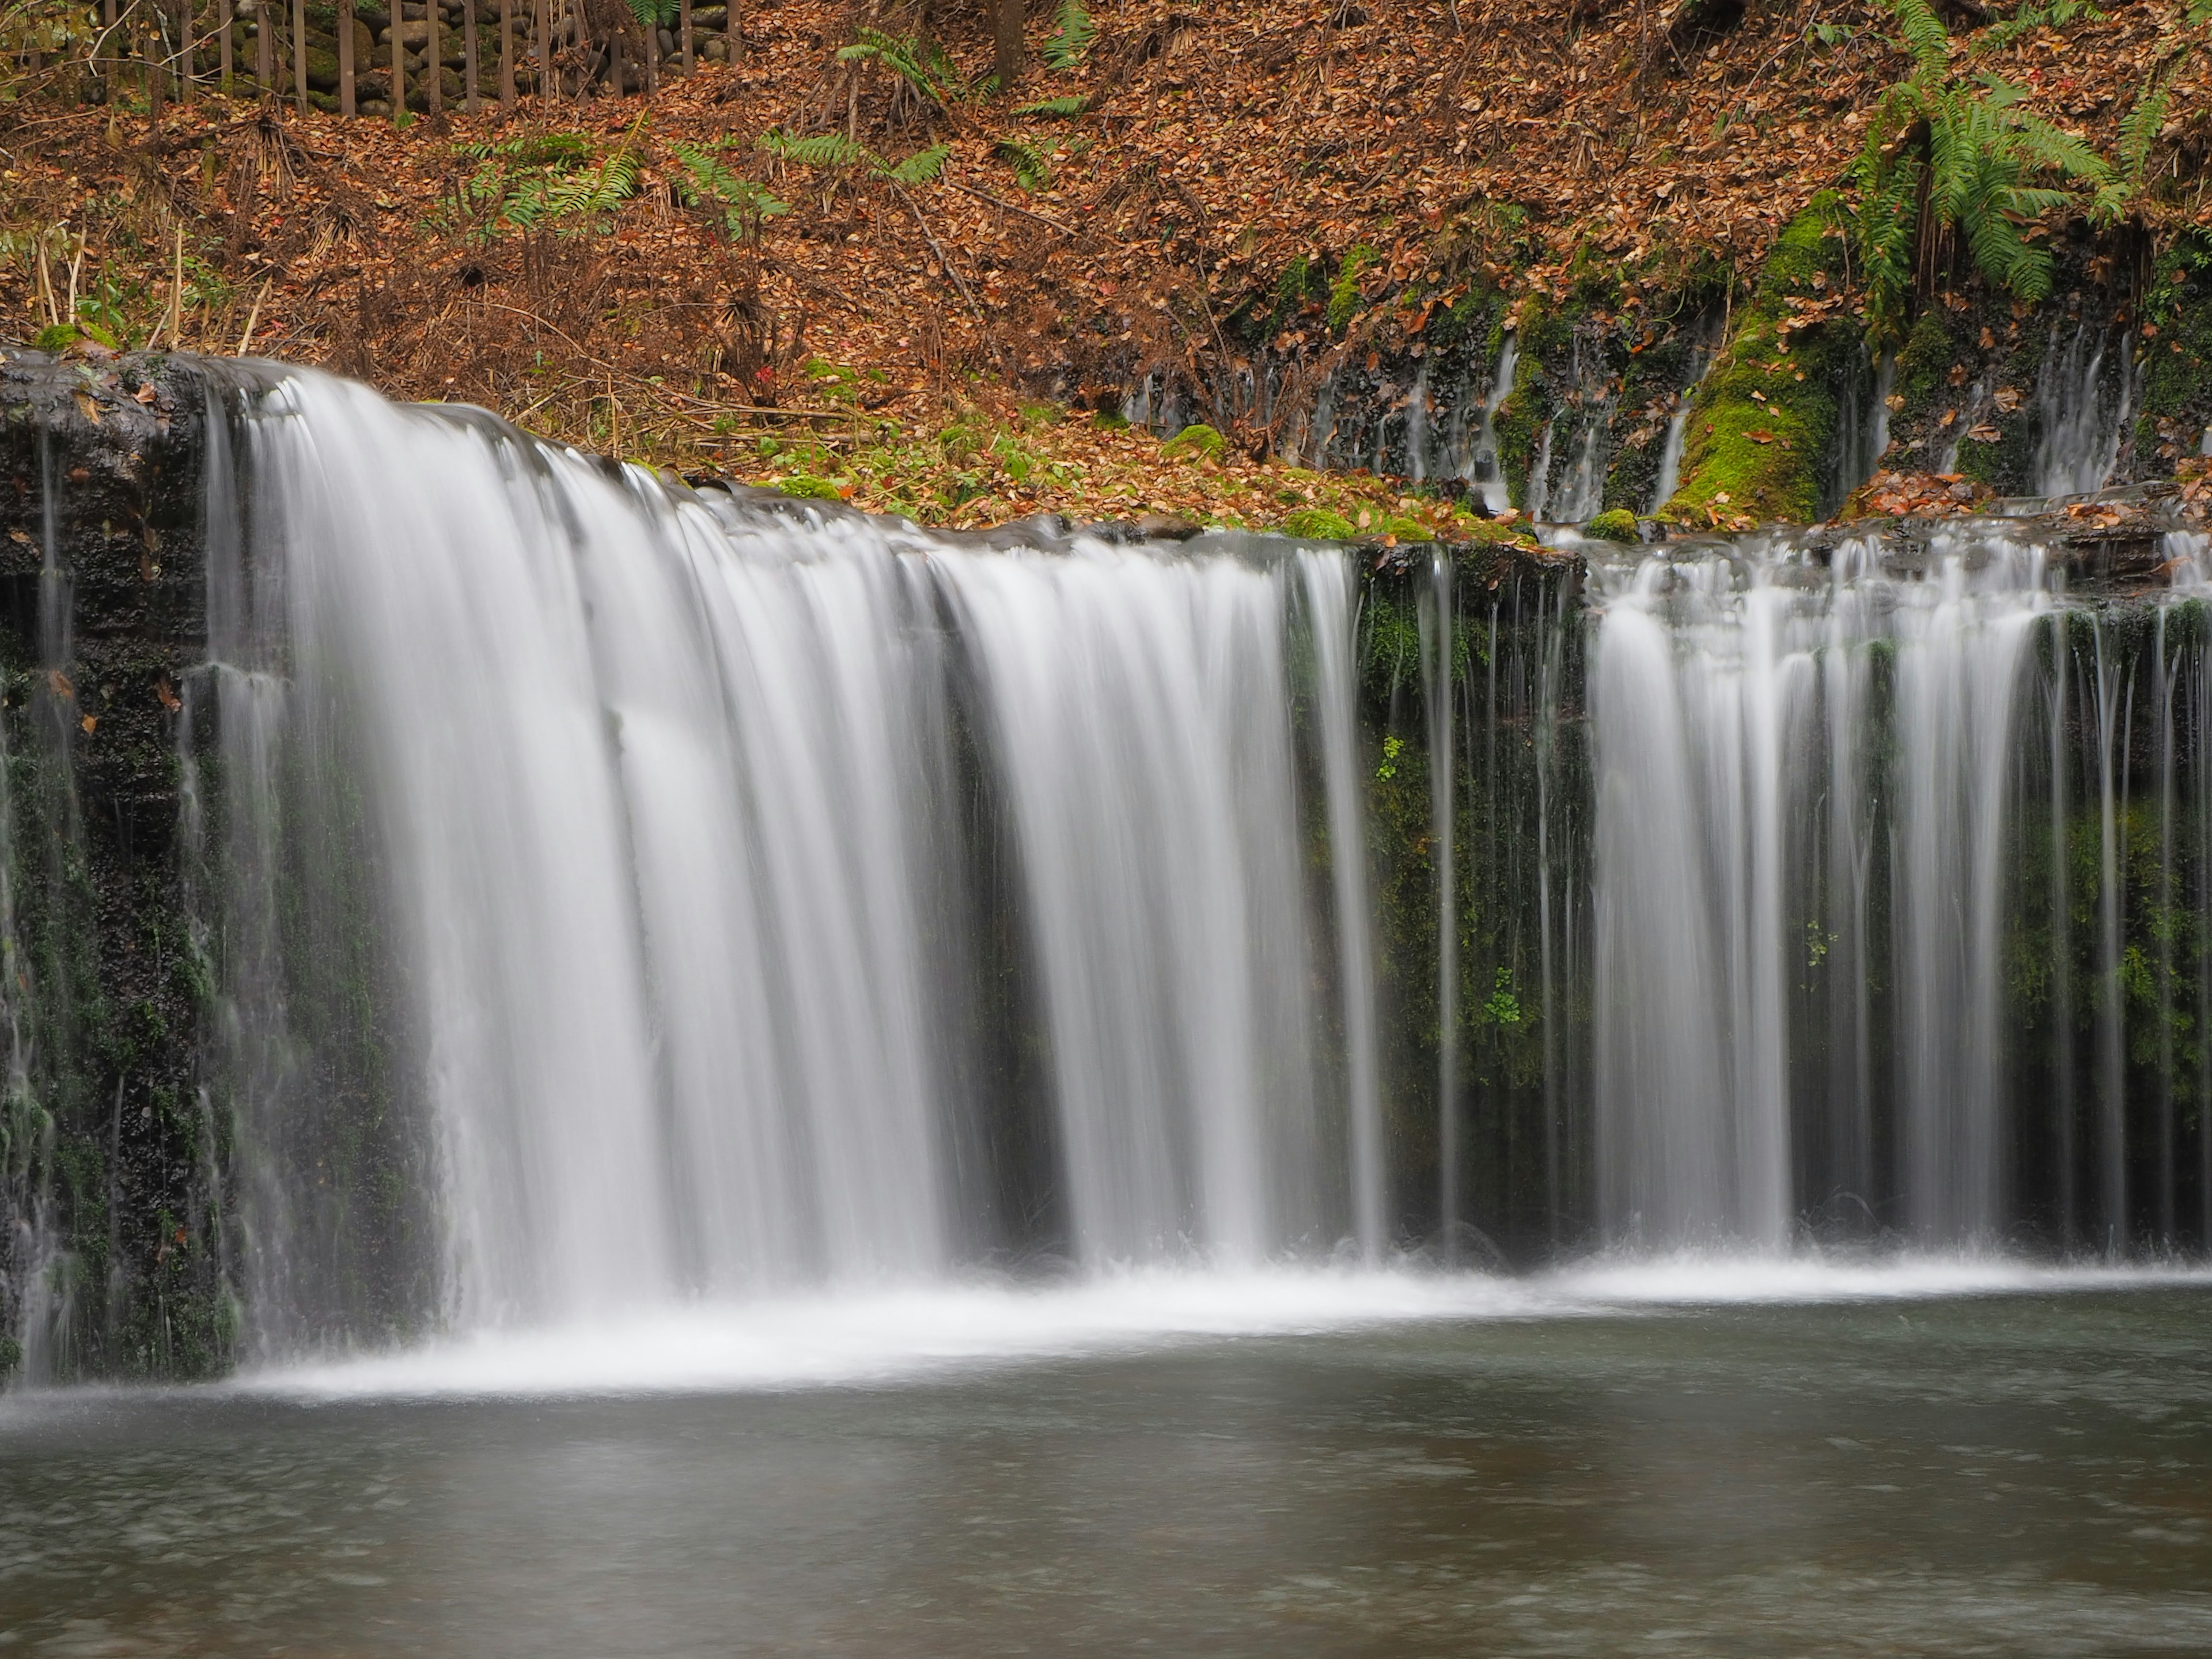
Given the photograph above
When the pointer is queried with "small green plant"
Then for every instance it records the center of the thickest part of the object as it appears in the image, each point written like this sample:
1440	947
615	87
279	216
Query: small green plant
834	149
808	487
1386	768
1503	1008
1617	525
544	180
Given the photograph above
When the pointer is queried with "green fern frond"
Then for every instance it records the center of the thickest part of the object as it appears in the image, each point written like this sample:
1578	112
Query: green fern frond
1074	32
920	62
709	182
2139	128
2199	12
1923	33
825	150
1032	172
1073	105
919	167
656	13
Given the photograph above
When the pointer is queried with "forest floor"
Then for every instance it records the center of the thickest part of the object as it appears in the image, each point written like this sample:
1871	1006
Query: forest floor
955	346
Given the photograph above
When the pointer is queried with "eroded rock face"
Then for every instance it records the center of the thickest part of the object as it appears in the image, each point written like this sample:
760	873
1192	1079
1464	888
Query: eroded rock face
109	1198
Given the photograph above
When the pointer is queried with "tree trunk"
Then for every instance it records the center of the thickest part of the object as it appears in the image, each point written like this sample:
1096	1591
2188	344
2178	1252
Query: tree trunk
265	52
683	28
399	68
228	66
507	56
1006	61
187	56
345	59
469	55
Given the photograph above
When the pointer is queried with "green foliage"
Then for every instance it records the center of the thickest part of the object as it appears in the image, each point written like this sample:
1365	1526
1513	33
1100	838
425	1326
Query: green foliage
708	182
1618	526
1502	1007
1393	746
1073	33
1980	164
821	149
1032	172
920	62
545	179
656	14
1060	108
919	167
809	487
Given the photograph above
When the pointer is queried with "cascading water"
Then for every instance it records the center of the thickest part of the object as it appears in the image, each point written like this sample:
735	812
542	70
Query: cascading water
614	894
1888	868
2085	396
645	827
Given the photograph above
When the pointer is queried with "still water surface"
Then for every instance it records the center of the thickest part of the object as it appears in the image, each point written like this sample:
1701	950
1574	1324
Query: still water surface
2026	1473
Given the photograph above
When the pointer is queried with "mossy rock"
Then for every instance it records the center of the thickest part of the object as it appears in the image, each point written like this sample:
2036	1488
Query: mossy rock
809	487
1617	525
1319	524
1197	441
60	336
1763	421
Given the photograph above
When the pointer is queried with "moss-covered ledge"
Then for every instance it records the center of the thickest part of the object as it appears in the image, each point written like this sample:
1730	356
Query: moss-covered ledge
1765	419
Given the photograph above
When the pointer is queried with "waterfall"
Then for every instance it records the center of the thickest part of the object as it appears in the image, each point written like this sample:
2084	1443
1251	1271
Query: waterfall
633	880
1715	761
2083	410
1482	465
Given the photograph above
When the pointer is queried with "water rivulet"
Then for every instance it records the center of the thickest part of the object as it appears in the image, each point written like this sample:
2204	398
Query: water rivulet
590	892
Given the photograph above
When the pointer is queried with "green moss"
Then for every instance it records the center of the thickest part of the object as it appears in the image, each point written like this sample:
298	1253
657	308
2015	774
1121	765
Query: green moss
1762	420
809	487
1319	524
1344	292
2176	406
1617	525
1196	441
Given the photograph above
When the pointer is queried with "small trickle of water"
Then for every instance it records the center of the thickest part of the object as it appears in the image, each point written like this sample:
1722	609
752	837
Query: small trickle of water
2082	410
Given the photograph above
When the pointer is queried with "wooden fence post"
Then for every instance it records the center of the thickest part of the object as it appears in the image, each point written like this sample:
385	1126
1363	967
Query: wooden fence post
399	67
469	55
300	54
507	56
229	67
345	59
434	56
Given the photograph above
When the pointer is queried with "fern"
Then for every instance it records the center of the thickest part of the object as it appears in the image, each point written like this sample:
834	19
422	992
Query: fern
918	168
1076	103
1073	33
921	64
1989	171
1031	171
1923	36
2139	129
708	183
588	196
656	13
2199	12
825	150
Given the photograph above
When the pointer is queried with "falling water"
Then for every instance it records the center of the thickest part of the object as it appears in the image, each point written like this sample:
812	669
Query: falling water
1714	755
2081	409
641	828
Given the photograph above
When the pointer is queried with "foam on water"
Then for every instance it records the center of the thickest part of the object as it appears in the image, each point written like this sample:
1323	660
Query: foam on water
931	1333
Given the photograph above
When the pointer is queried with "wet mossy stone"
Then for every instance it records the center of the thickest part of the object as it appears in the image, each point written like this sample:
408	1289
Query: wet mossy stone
1764	419
809	487
1617	525
1194	441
